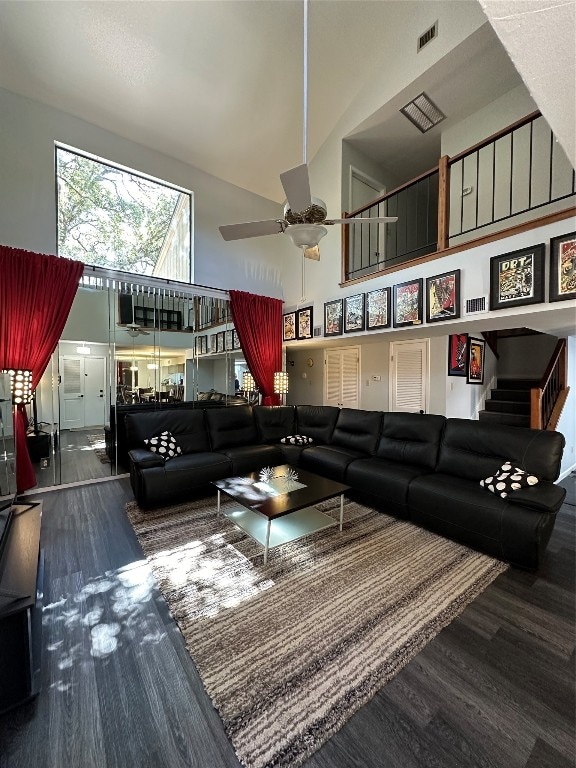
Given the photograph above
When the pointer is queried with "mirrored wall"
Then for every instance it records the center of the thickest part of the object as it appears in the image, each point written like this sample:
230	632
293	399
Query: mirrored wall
129	347
7	466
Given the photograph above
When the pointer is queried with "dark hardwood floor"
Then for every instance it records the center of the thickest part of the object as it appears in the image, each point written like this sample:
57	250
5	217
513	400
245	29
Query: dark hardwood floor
74	459
495	688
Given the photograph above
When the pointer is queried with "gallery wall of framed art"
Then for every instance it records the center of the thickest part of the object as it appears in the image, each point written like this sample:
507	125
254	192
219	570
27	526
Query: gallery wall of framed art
516	278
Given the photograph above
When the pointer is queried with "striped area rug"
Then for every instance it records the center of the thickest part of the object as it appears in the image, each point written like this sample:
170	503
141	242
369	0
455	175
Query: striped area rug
289	651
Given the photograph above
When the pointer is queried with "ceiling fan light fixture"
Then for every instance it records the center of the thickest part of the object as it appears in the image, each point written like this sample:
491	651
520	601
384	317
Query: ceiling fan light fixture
423	113
306	235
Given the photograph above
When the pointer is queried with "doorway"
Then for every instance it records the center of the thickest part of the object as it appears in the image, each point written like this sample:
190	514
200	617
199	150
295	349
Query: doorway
410	375
342	377
82	392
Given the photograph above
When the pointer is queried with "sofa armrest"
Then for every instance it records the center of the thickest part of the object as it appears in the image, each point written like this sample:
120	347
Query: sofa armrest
544	497
143	459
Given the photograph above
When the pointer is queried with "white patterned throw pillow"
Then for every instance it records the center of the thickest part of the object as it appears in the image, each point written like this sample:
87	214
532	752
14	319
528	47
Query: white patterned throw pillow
297	440
507	479
164	444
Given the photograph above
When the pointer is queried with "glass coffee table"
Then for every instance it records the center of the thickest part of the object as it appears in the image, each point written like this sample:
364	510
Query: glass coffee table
277	507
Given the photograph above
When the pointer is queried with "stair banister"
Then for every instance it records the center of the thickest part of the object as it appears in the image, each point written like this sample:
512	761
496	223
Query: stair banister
547	399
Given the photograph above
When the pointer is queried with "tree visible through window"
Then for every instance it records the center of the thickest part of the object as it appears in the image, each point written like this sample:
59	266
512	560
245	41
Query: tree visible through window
114	218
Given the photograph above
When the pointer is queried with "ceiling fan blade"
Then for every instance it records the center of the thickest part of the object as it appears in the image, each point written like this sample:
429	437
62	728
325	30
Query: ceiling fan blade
367	220
296	185
312	253
250	229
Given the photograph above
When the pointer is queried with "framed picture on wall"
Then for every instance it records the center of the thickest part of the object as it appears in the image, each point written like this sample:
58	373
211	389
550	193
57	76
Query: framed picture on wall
220	341
289	326
457	354
517	278
333	318
198	345
235	339
304	323
443	297
475	361
213	342
408	303
378	308
354	318
203	345
563	267
229	340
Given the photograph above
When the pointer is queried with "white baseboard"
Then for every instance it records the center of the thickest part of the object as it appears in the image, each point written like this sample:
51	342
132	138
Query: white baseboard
566	473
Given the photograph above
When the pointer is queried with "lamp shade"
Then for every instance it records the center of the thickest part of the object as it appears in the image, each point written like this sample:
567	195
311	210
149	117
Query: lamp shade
281	383
20	385
248	383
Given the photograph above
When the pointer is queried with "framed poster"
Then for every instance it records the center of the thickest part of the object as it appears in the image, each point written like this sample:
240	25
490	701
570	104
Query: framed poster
289	326
457	354
517	278
378	308
563	267
229	340
333	318
235	339
203	345
354	317
213	342
220	341
304	323
443	297
198	345
408	303
475	361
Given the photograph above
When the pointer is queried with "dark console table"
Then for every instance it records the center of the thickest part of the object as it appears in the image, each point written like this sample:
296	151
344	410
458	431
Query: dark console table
21	577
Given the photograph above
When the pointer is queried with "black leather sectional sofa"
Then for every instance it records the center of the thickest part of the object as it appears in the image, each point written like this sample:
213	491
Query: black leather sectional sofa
421	467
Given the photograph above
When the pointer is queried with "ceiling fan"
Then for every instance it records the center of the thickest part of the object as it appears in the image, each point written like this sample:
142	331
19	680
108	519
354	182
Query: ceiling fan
305	217
133	329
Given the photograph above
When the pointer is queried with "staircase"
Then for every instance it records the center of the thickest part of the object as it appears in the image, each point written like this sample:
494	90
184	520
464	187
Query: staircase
509	403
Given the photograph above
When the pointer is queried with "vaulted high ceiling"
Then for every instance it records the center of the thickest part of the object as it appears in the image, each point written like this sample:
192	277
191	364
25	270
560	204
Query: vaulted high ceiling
218	83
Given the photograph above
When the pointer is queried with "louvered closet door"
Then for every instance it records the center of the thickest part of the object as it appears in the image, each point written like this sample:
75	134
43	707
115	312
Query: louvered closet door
71	392
342	383
409	375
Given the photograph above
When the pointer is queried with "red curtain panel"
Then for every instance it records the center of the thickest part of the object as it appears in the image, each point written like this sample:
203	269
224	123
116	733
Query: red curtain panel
258	322
36	294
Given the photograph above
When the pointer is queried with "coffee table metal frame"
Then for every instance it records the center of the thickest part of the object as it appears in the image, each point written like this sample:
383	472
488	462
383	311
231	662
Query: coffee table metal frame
288	504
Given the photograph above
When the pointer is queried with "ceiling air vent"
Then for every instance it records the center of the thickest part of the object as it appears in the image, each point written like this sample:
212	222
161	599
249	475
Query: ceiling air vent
423	113
476	305
429	35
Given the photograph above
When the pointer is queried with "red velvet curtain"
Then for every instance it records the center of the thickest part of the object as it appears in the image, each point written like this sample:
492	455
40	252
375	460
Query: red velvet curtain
258	322
36	294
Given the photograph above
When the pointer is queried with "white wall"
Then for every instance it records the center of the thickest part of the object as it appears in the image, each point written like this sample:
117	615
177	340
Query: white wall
28	131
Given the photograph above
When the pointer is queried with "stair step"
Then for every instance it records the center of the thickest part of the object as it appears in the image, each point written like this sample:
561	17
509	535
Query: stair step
508	406
516	383
516	395
511	419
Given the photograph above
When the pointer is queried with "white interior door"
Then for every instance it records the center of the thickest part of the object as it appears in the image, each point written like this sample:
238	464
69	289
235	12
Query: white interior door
71	392
342	377
94	385
409	375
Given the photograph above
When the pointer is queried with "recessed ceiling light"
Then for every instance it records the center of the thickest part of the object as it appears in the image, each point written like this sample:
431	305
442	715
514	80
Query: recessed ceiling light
423	113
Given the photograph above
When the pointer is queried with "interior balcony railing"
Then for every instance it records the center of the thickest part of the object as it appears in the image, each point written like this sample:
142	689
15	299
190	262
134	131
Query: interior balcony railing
498	182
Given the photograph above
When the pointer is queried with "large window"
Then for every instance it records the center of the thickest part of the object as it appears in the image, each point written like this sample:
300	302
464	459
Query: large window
115	218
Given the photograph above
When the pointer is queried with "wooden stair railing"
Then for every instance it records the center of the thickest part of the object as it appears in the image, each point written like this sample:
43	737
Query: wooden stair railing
548	398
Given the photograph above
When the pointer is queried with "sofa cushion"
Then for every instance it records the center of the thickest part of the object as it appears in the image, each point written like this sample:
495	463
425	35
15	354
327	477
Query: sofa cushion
186	424
358	430
274	422
384	480
329	460
475	449
250	458
411	438
164	444
316	421
229	427
508	479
